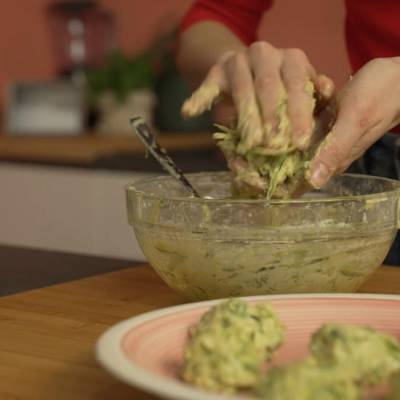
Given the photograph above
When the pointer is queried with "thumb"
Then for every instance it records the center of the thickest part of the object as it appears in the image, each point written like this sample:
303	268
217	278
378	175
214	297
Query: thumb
333	151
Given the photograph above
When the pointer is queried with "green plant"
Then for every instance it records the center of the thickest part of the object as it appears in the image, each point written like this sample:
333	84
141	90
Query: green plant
120	75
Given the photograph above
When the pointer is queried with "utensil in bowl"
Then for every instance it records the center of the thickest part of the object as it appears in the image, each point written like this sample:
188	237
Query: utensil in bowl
144	133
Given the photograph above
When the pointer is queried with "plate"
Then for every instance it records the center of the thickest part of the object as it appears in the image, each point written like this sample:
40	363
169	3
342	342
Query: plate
146	351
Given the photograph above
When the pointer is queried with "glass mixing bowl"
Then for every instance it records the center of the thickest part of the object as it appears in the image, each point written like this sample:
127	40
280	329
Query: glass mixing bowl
328	241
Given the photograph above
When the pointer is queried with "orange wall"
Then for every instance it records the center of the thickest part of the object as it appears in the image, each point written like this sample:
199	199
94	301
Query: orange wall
311	24
139	21
24	45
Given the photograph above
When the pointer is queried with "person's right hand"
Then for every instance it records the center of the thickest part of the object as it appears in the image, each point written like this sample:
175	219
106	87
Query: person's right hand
259	80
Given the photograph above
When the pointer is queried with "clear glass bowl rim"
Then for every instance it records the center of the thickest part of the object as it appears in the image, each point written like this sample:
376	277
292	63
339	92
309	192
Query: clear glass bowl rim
133	190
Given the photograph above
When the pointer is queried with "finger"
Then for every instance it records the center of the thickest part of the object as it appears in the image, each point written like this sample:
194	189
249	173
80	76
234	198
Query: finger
337	145
324	91
296	74
266	62
207	93
251	181
324	86
241	87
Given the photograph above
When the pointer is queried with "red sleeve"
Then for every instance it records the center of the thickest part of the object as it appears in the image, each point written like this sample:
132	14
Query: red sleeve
242	17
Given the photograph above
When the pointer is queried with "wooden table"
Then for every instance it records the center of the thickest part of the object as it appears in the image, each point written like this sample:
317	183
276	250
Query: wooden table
47	335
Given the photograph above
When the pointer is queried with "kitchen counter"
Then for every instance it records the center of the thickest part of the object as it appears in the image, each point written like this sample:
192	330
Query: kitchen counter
88	149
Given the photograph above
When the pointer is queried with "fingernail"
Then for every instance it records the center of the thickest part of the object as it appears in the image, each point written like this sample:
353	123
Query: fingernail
320	175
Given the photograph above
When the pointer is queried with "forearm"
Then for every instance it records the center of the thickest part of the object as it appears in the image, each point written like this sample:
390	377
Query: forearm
200	47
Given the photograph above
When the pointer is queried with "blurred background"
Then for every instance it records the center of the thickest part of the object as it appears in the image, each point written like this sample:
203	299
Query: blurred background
120	52
71	75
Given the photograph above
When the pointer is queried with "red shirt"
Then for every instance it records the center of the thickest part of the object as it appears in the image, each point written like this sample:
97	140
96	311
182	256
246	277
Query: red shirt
372	26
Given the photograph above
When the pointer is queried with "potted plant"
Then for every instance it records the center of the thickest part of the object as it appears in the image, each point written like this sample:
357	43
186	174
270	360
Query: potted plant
121	89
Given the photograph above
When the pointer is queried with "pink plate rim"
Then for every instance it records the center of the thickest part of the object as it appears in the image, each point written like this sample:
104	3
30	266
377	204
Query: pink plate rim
110	355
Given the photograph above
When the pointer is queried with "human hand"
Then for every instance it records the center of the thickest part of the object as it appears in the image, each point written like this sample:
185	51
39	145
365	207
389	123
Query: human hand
367	107
261	80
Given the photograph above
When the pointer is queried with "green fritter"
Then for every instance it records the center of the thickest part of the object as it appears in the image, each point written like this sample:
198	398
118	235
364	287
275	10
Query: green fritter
395	387
367	356
229	345
306	380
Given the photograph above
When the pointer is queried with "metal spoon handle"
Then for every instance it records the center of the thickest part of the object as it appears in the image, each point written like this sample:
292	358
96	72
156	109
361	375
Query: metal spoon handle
145	134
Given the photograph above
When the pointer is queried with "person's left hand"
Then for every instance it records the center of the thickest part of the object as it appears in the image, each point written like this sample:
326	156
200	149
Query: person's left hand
367	107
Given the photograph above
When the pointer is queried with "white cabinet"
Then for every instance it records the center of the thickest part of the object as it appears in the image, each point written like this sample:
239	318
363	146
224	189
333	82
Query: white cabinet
66	209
